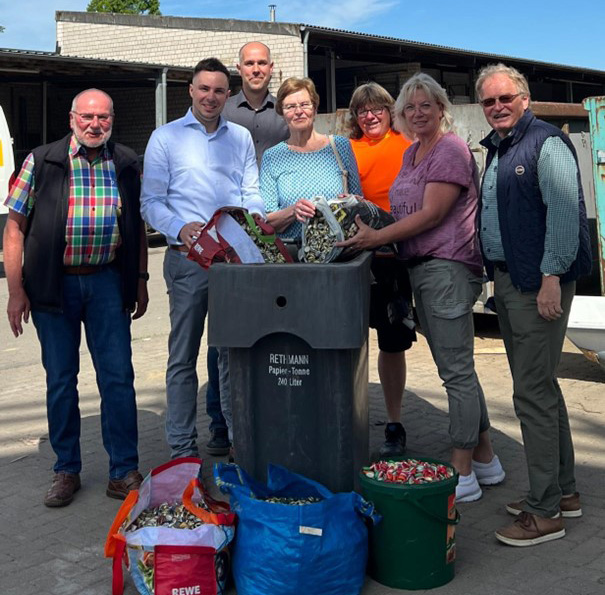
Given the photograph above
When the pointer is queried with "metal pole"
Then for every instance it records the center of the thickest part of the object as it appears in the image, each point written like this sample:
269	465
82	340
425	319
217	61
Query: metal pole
331	80
596	114
45	112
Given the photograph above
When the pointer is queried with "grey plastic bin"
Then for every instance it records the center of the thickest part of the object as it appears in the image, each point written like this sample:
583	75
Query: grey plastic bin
298	362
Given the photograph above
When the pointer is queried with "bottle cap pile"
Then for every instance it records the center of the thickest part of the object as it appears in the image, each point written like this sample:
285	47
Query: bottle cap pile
292	501
409	471
173	516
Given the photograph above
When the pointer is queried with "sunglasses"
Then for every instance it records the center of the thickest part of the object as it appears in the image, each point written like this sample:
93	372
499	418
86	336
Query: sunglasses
503	99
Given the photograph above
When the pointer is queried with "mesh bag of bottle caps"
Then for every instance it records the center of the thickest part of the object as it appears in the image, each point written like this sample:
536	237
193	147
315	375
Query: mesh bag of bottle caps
334	221
171	535
233	235
294	535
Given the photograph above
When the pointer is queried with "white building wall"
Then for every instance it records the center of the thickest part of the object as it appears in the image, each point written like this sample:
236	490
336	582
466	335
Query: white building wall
175	47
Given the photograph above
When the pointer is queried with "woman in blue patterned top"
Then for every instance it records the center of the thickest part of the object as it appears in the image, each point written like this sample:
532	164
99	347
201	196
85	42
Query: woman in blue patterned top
304	166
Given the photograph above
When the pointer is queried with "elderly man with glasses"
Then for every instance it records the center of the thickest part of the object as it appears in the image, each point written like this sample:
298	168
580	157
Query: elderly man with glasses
535	242
75	252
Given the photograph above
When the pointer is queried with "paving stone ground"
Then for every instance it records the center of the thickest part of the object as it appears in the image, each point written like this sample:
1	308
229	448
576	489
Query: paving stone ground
60	551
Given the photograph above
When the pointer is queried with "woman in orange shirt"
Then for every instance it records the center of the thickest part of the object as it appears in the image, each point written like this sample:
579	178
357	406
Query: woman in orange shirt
379	149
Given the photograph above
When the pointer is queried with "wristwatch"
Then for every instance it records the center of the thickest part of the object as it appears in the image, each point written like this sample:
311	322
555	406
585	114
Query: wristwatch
144	276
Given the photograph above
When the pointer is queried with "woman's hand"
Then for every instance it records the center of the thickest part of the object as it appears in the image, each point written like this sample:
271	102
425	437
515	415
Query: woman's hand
365	239
304	209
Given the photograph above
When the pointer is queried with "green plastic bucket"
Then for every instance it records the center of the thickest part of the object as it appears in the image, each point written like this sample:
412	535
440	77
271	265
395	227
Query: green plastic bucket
414	546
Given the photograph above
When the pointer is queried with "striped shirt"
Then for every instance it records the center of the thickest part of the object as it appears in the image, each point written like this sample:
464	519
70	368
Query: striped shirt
91	233
557	177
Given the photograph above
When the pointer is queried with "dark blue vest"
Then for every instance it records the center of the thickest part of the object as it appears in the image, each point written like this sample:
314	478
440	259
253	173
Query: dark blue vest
521	211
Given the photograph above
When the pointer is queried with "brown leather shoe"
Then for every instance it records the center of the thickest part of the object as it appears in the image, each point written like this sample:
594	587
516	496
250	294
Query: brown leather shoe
530	529
570	507
62	490
119	488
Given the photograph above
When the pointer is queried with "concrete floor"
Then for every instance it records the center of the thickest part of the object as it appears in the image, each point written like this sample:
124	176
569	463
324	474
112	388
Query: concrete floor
60	551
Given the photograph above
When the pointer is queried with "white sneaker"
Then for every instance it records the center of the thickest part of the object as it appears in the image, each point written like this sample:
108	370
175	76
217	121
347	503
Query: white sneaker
468	488
489	474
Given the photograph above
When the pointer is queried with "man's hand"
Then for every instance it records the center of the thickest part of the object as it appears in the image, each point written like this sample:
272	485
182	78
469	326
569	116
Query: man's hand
365	239
142	300
190	232
18	311
549	298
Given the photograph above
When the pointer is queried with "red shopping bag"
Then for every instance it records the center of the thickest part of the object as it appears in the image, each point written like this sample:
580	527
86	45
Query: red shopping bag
172	561
233	235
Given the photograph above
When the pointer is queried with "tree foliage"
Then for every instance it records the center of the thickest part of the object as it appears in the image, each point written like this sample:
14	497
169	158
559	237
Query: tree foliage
125	6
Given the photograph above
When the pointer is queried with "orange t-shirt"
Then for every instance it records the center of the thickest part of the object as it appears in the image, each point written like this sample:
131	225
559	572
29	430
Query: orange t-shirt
379	162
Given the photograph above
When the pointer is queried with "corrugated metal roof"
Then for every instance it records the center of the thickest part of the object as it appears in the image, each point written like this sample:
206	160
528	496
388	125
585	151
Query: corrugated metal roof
54	56
420	45
27	52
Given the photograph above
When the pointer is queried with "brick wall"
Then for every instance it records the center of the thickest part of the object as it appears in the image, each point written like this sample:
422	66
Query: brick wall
174	46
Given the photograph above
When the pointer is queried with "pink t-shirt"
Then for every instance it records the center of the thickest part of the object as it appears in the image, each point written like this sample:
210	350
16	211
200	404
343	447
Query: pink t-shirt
456	237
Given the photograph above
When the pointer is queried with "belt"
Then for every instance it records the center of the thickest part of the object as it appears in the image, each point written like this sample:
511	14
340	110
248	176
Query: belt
180	248
83	269
416	260
500	265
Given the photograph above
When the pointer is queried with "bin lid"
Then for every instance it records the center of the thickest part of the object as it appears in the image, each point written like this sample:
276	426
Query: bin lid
326	305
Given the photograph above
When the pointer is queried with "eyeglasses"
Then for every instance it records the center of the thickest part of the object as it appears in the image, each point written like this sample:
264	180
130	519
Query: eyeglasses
90	117
503	99
305	105
423	108
363	113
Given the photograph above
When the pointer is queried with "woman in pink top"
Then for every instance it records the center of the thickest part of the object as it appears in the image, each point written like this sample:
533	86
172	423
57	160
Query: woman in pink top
434	199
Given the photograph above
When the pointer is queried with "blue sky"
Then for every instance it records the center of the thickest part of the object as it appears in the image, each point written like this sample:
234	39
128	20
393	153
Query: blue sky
555	31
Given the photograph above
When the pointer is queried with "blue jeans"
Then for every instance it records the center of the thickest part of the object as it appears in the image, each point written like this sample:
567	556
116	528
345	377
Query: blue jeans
213	392
96	301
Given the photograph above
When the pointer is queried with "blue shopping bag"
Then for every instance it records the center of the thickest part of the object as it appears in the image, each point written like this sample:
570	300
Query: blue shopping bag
319	548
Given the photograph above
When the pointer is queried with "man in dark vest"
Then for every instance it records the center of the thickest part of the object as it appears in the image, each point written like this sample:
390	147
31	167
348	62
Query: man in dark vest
75	252
535	242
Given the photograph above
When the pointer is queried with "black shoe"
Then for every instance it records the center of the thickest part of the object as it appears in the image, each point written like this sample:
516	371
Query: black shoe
394	444
219	443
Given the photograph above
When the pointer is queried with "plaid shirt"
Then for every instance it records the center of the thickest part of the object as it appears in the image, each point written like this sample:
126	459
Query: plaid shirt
91	233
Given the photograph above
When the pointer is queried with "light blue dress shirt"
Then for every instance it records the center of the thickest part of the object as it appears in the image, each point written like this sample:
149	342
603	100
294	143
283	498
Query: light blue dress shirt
190	173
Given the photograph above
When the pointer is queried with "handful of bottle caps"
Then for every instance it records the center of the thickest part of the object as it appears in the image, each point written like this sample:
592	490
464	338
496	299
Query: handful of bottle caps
409	471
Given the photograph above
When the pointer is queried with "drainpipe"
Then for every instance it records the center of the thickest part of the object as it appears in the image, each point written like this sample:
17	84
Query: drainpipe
161	114
305	33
